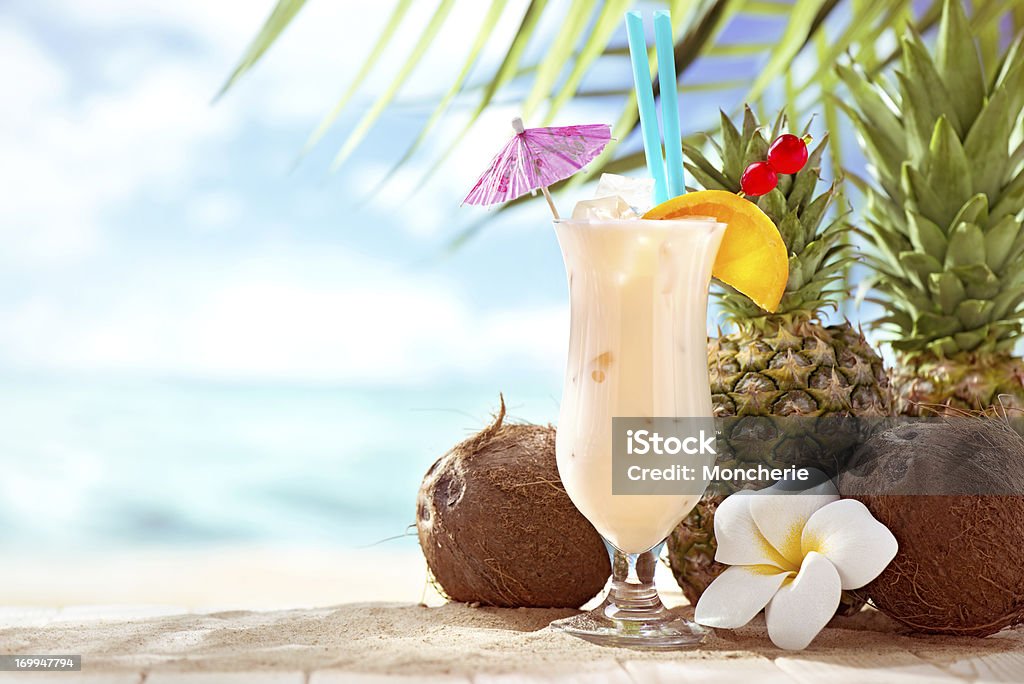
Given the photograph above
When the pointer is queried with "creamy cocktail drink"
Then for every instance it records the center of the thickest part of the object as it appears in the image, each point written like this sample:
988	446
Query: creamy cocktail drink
637	349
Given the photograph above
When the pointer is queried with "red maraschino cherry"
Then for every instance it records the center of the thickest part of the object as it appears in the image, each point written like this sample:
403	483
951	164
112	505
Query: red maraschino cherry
759	179
788	154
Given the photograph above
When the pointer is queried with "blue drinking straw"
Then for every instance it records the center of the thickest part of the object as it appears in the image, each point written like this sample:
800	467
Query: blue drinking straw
665	46
645	103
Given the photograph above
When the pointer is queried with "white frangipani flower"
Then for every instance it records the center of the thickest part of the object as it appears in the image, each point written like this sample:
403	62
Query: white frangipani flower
792	555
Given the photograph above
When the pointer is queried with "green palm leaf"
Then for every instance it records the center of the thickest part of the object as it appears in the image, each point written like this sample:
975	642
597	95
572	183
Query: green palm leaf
609	19
507	71
487	28
738	49
513	58
798	31
278	21
768	8
426	38
873	17
558	54
364	70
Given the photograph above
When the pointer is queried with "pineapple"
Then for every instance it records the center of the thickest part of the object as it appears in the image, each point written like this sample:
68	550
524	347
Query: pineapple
786	363
944	217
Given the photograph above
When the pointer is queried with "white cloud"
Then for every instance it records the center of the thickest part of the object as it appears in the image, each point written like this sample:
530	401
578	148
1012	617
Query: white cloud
215	211
72	158
262	318
32	79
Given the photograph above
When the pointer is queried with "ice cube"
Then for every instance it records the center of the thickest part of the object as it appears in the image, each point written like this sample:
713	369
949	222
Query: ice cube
638	192
603	209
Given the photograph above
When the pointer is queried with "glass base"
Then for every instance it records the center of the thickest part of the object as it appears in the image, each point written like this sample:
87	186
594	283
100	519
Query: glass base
632	615
659	631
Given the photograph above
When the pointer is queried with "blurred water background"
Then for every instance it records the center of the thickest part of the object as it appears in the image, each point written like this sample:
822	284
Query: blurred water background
94	466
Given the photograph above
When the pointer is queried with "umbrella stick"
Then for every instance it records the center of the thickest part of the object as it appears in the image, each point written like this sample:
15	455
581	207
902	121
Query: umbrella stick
551	202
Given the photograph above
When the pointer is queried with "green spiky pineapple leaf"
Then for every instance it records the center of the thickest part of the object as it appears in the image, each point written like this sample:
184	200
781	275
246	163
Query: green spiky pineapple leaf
944	214
946	170
958	63
926	236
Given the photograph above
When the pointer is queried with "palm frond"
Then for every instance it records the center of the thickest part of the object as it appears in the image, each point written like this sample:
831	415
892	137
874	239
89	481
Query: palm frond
702	30
426	39
864	32
276	23
557	56
798	30
768	8
608	20
738	49
506	72
390	26
490	21
928	19
513	58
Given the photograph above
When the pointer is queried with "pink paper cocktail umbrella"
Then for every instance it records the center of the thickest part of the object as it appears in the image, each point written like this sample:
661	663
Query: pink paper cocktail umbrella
536	158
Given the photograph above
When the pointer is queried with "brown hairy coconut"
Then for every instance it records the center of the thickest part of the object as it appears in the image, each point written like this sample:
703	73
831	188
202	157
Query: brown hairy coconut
497	527
952	492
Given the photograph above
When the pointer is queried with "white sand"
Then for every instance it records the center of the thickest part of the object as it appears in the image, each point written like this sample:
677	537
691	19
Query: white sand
400	636
456	639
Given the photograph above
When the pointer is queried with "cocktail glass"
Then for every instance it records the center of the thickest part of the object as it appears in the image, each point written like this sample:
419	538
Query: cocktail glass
638	348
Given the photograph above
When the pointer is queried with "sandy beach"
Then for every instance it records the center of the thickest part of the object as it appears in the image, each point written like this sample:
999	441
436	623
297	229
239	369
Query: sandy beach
157	625
455	639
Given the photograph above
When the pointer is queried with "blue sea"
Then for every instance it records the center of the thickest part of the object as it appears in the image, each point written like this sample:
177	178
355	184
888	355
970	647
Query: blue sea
91	464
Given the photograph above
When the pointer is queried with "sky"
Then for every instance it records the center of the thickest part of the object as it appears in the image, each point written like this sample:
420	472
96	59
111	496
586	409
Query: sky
146	231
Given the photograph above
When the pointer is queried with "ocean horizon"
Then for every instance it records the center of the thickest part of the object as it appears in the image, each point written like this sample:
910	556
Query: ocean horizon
100	464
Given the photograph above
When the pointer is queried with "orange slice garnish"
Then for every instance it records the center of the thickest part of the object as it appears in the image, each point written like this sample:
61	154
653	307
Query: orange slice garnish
753	257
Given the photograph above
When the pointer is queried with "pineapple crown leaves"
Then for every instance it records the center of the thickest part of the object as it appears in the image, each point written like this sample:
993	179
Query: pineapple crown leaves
817	255
945	214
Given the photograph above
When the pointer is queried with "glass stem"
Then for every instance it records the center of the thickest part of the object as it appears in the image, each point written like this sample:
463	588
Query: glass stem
632	615
632	595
